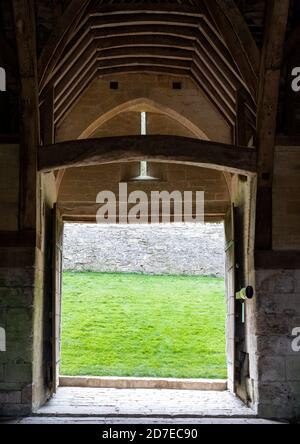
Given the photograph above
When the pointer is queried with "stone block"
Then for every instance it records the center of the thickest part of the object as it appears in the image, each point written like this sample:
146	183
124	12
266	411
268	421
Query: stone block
284	282
17	277
278	393
18	373
271	324
263	280
274	411
27	394
271	368
15	409
293	367
19	323
16	297
10	397
19	352
11	386
270	282
274	345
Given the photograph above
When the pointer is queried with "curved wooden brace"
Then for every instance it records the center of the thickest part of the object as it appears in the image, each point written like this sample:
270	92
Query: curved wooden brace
151	148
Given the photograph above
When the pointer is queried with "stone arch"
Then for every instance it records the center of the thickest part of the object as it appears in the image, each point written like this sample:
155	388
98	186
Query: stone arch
145	105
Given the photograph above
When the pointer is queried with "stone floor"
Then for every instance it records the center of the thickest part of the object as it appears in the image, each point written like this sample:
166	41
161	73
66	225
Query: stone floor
141	403
73	405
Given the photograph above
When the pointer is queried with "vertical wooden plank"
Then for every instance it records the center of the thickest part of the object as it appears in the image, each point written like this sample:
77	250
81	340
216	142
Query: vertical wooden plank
56	295
25	30
241	354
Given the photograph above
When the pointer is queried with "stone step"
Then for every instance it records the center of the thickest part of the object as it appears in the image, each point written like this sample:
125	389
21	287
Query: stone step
143	383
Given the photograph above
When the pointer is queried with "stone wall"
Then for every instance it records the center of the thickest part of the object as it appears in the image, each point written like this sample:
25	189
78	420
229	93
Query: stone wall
16	313
277	315
153	249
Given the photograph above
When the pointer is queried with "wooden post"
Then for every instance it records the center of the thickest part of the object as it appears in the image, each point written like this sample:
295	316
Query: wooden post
271	62
24	19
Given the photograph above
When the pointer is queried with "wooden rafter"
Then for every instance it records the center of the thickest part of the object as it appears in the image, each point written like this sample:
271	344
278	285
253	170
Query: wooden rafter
82	40
59	37
152	148
237	37
241	29
217	91
110	39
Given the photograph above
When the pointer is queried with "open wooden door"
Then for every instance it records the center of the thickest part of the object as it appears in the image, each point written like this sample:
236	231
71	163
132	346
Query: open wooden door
56	295
230	291
237	358
241	353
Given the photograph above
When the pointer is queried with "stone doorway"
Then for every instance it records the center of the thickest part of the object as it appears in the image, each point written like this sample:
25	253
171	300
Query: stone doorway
190	355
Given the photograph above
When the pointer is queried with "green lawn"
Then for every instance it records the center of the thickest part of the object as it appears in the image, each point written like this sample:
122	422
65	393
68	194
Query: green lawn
138	325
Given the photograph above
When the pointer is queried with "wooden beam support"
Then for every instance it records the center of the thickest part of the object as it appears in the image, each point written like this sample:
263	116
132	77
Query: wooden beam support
24	20
271	63
152	148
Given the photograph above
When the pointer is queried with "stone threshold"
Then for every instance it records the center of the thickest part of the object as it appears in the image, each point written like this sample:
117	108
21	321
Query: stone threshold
143	383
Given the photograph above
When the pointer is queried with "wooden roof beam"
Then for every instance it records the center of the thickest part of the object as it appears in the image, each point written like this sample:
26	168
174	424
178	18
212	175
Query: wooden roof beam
78	46
234	31
59	37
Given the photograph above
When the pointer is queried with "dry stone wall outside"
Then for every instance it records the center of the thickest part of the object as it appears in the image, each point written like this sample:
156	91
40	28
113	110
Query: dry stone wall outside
195	249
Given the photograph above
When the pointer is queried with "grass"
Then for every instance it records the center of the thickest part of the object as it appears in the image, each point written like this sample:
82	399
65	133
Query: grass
139	325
